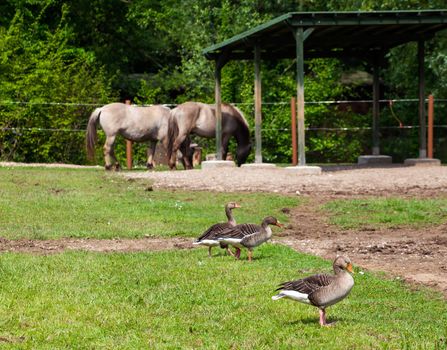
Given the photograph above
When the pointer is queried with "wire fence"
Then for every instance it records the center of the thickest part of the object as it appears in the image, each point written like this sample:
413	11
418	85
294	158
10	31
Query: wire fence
329	135
264	128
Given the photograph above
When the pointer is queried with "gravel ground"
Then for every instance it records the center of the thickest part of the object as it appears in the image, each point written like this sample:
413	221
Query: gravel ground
333	180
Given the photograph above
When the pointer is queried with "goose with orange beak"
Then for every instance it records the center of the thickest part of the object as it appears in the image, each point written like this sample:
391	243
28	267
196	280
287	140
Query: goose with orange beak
321	290
249	236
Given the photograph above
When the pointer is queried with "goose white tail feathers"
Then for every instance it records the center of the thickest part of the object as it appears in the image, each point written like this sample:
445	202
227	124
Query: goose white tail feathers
231	241
207	242
291	294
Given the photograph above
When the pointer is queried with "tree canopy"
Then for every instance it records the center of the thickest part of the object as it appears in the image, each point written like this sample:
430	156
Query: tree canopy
97	51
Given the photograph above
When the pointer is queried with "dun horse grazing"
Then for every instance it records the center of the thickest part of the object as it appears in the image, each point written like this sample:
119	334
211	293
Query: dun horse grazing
139	124
200	119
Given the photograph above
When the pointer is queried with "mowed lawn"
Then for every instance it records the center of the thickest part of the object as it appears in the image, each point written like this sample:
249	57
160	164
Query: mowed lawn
178	299
52	203
185	300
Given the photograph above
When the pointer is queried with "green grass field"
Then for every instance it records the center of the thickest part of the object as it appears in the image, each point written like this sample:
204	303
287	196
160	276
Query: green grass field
182	299
387	212
46	204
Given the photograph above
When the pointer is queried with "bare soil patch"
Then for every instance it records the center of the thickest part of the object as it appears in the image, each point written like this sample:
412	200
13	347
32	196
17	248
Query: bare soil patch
95	245
416	256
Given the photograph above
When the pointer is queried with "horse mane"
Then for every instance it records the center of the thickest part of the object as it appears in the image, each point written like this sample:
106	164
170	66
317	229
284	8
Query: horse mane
239	115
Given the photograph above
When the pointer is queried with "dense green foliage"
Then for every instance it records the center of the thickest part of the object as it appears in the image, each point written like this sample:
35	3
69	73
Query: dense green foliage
87	53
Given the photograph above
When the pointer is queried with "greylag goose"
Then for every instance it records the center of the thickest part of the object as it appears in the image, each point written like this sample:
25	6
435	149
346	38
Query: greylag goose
210	236
321	290
249	235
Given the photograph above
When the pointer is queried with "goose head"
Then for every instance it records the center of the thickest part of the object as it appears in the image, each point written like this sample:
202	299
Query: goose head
343	263
270	220
232	205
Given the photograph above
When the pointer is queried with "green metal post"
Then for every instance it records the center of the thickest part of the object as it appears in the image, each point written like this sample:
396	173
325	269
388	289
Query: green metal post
376	108
299	37
258	105
217	75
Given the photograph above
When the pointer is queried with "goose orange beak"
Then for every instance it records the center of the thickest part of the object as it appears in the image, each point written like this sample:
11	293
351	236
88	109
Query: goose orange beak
237	205
279	224
349	268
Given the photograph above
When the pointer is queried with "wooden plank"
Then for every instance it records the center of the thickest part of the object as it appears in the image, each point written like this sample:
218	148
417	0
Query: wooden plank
430	126
299	38
293	128
258	104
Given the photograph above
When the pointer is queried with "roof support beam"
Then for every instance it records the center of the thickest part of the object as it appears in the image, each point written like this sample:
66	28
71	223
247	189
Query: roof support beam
258	104
376	107
218	98
299	38
422	117
220	63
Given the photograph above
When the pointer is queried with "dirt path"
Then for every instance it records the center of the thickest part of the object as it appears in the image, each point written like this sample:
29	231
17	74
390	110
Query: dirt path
417	256
95	245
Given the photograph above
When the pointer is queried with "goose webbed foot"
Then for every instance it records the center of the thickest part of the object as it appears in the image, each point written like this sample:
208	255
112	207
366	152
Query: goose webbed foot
230	252
323	321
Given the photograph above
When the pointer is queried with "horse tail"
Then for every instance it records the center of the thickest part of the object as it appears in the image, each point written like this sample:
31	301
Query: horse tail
91	136
173	132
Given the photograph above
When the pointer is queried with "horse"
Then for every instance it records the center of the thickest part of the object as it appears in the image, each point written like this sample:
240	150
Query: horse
200	119
139	124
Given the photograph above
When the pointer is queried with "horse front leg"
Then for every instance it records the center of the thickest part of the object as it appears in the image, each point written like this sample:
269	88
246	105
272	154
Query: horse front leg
109	154
225	142
150	154
187	153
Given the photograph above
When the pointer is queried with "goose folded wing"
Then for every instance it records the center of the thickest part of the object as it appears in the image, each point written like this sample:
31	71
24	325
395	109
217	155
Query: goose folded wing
214	231
239	231
309	284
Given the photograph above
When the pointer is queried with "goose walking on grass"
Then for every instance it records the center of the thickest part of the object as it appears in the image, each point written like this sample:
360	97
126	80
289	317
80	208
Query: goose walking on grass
249	236
321	290
210	236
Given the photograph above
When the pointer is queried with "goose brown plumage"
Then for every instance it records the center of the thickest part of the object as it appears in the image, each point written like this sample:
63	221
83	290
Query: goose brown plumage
210	236
249	236
321	290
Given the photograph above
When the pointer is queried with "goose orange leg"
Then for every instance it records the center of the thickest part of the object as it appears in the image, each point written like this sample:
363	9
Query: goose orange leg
322	317
250	254
237	255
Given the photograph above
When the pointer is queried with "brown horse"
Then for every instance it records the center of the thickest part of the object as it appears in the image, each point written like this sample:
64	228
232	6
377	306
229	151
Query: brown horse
200	119
139	124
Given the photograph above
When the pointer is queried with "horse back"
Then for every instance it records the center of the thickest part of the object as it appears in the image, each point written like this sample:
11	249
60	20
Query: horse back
135	123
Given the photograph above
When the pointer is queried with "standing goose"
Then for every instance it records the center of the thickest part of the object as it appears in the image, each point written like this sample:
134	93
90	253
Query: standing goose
249	235
210	236
321	290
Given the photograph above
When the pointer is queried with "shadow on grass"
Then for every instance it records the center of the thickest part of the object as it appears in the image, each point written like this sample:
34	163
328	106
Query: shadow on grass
315	320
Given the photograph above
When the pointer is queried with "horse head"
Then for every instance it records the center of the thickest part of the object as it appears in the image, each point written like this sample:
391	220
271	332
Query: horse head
242	152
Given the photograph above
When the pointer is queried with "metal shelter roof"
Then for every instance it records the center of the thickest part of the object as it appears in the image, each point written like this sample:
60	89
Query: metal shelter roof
354	34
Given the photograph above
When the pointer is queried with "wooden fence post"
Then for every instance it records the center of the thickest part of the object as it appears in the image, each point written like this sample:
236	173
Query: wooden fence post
128	148
430	126
293	127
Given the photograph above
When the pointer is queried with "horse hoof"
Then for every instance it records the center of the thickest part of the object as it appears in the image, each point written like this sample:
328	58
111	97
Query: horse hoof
108	167
149	166
117	167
